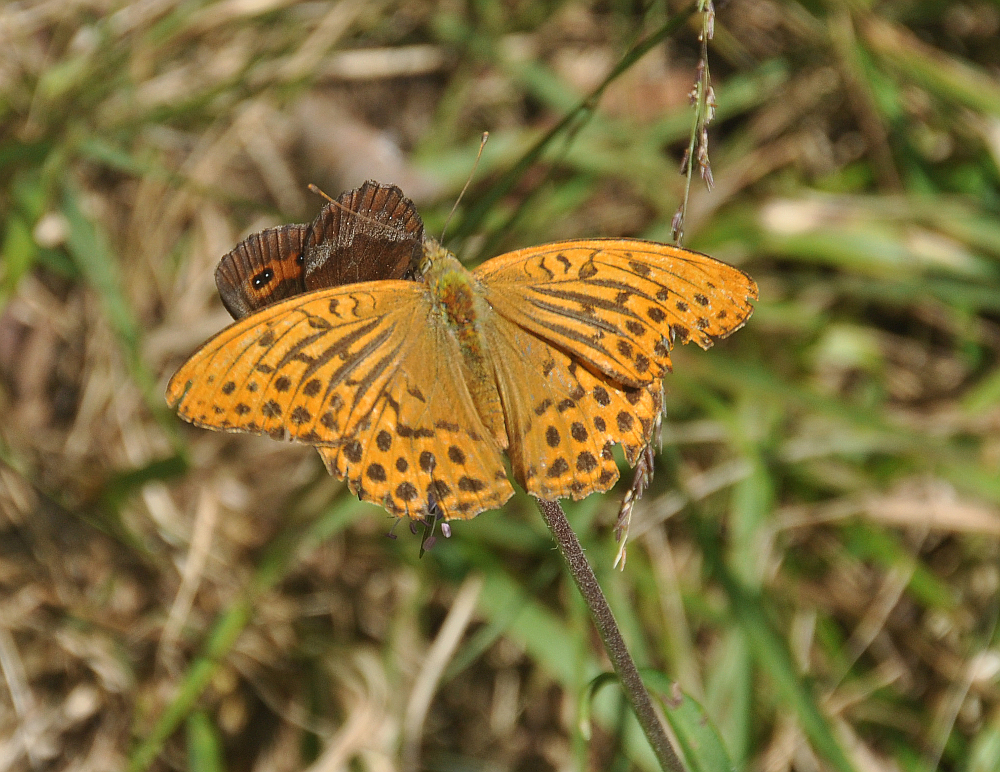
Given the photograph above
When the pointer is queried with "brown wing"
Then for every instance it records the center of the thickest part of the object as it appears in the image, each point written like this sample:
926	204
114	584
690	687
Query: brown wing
263	269
373	232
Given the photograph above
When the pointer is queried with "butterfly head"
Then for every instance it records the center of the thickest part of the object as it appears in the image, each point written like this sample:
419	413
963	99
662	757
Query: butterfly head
436	258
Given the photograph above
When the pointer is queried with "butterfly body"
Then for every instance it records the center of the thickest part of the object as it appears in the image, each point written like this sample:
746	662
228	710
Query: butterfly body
459	304
412	390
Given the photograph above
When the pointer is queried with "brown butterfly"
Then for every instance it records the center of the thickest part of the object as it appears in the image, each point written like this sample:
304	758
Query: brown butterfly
412	389
370	233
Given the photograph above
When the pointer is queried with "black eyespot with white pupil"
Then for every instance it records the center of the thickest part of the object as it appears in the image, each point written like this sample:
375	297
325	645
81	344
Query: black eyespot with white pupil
262	278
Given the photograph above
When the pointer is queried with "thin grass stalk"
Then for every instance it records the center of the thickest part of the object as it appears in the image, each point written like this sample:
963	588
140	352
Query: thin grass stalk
583	575
703	99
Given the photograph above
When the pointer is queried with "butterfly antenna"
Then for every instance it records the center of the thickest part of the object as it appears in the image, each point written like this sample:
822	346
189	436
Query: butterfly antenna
315	189
482	144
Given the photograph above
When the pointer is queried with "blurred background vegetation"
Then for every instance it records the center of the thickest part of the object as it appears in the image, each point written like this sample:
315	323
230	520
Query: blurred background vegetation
817	559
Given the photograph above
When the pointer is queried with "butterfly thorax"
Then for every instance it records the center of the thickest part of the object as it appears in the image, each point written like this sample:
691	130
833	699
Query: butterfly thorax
458	299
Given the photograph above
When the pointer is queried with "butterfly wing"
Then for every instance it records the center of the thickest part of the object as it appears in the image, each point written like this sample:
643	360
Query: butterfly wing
596	319
425	437
263	269
562	419
366	372
372	232
618	305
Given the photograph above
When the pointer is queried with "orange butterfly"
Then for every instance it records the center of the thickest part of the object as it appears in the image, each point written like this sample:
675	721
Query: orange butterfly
411	389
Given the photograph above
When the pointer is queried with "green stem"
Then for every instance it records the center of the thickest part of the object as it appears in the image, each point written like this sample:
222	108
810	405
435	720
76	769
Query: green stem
614	644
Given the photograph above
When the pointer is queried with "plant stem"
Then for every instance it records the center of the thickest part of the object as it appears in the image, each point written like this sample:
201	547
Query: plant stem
614	644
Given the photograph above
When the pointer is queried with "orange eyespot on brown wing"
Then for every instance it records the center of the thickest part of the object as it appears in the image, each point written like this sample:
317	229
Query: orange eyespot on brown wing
263	269
373	232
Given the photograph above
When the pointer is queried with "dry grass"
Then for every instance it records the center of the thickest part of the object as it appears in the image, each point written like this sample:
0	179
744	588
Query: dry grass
817	561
